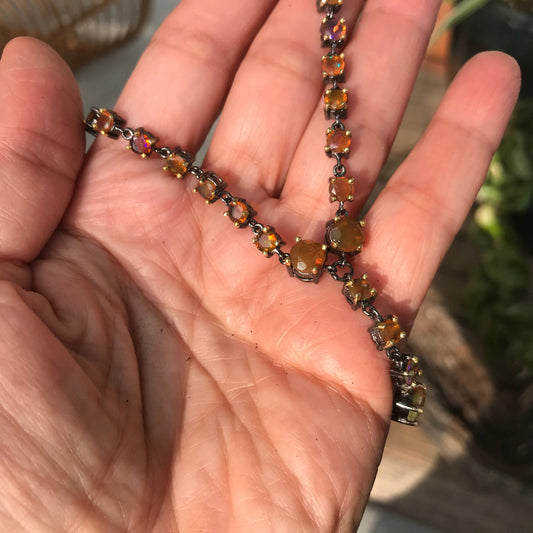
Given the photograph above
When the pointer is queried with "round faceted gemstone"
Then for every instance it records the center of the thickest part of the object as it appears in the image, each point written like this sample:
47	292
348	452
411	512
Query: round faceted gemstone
333	65
104	122
336	99
267	241
387	333
307	257
142	142
338	141
333	30
390	331
176	164
345	234
239	212
207	190
331	3
358	290
341	189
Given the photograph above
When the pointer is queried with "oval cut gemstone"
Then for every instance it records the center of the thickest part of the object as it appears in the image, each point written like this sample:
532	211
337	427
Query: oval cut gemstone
345	234
358	290
239	212
104	122
207	190
142	142
267	241
333	30
307	258
333	65
176	164
336	99
341	189
387	333
338	141
390	331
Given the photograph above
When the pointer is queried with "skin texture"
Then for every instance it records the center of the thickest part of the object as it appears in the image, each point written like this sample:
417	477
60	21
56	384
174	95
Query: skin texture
159	374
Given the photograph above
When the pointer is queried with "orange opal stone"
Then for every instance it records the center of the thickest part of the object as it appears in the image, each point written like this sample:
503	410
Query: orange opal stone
391	331
387	333
207	190
333	30
336	99
239	212
104	122
324	4
333	65
341	189
307	258
142	142
267	241
345	234
176	165
338	141
358	290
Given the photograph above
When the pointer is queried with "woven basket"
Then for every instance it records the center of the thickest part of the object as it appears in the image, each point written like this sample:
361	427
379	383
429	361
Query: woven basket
77	29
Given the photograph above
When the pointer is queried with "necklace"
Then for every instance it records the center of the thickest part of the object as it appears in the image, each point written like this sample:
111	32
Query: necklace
307	260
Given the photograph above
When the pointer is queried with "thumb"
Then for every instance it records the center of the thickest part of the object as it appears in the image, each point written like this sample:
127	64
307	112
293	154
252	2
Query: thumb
41	146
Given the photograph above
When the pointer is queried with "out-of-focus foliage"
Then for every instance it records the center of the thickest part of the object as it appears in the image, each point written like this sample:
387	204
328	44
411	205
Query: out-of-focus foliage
498	300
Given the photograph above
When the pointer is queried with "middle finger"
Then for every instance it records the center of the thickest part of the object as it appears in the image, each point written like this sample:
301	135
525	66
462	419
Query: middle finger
382	61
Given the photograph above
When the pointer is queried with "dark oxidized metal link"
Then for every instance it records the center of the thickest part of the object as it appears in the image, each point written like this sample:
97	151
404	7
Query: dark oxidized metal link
255	226
370	311
227	198
341	212
283	256
341	263
339	170
127	134
163	151
196	171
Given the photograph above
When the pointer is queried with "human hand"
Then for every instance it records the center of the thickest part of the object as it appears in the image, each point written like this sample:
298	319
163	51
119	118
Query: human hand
157	373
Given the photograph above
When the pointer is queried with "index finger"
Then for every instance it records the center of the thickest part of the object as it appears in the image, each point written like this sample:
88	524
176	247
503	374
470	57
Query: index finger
181	80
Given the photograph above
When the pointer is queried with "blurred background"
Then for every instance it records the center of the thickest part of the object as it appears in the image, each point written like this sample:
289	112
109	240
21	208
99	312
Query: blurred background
468	467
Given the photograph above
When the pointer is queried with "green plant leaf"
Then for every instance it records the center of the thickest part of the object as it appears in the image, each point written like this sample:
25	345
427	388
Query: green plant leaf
461	11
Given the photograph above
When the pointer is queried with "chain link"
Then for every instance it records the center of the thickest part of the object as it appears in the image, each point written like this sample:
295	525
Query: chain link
127	134
255	226
340	264
340	270
370	311
196	171
163	151
226	197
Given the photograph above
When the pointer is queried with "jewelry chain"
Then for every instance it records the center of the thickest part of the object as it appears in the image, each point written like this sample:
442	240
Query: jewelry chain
344	235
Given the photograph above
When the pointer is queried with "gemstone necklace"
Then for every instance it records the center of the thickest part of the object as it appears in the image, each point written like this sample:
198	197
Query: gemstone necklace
306	260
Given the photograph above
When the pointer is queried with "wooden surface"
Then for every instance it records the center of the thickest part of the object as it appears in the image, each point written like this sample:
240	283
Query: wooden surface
430	473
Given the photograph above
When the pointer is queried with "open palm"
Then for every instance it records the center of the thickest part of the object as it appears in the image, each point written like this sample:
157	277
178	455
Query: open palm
157	373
